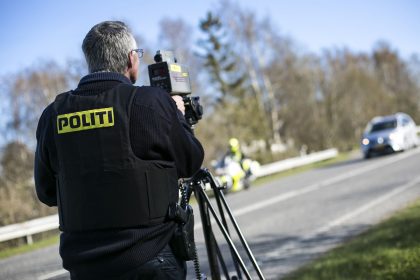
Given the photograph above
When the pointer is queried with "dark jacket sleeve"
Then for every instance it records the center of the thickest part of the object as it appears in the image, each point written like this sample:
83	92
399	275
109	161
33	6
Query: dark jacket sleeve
187	150
160	133
45	182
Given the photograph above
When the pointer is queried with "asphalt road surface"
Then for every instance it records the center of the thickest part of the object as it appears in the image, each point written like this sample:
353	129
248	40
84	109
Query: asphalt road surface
289	221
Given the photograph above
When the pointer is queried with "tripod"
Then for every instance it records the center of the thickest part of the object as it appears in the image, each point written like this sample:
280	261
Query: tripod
197	184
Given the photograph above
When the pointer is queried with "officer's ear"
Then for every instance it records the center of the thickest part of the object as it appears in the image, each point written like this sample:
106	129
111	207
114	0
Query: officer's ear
132	66
131	58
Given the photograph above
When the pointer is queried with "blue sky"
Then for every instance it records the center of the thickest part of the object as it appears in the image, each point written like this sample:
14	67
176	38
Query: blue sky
53	30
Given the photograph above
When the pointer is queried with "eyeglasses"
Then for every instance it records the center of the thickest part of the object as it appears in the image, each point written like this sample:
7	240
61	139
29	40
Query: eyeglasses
139	52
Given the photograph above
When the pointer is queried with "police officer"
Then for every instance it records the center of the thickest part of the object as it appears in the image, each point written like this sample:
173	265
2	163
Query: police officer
109	155
235	151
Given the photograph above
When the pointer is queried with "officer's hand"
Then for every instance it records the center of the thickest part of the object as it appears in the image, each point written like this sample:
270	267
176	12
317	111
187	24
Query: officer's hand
179	103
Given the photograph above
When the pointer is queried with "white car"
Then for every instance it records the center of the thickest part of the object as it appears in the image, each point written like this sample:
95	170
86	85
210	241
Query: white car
387	134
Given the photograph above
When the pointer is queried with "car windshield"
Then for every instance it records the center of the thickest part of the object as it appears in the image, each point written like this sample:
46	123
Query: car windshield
383	125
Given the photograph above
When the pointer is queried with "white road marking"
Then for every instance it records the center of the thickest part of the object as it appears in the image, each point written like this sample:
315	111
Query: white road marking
293	245
369	205
316	186
53	274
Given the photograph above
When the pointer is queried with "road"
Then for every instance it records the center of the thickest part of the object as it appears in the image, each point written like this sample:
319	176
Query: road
290	221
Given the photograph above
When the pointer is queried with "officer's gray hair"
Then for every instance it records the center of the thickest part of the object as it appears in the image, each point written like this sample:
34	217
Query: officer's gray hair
107	45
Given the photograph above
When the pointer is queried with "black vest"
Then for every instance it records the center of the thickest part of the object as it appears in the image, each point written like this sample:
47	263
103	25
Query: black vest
101	183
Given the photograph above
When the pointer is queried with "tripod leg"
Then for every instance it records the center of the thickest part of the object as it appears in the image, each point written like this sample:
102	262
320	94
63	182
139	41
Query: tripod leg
208	234
222	215
241	237
203	177
221	260
203	196
219	194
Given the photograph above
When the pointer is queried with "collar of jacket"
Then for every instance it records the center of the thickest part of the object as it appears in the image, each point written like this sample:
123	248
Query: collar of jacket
104	76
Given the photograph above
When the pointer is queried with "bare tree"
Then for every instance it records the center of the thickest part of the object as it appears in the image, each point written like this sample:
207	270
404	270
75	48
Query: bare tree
393	74
17	196
258	44
26	94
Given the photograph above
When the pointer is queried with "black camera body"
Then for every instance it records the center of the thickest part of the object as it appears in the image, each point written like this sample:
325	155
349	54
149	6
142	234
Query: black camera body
174	78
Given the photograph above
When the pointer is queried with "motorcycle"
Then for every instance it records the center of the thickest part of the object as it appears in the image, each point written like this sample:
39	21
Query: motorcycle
234	175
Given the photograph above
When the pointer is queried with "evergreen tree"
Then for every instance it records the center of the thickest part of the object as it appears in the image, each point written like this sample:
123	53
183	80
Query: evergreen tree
220	60
226	79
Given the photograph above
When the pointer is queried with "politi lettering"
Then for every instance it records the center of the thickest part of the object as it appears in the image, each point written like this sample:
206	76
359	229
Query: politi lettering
84	120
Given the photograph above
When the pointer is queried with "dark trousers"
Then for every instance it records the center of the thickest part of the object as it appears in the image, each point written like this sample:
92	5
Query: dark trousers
164	266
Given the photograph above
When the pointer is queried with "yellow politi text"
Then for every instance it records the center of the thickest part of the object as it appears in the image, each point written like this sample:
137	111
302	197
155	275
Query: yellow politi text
84	120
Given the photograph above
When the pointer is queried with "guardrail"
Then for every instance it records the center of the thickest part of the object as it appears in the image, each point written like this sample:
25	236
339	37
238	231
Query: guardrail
27	229
290	163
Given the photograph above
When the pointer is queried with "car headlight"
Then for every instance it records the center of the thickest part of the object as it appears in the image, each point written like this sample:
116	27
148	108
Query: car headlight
365	141
394	136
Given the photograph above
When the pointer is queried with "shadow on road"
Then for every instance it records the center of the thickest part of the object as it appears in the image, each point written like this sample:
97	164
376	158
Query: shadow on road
279	255
357	157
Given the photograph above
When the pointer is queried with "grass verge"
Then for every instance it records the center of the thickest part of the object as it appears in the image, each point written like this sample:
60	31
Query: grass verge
8	252
341	157
389	250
